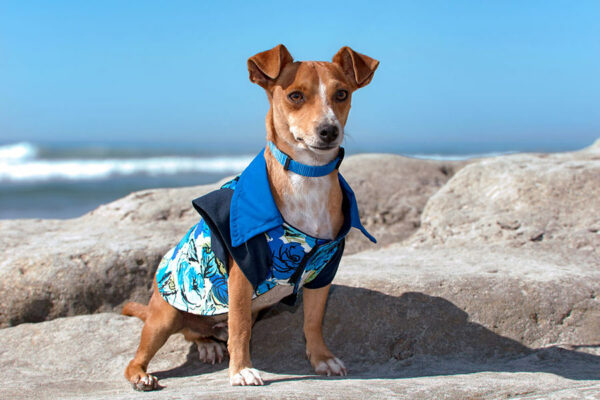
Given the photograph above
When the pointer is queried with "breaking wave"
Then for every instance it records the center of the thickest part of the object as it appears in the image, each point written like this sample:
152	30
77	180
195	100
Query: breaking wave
21	162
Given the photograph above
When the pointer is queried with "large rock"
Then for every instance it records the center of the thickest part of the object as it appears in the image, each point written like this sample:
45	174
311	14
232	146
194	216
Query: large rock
392	192
95	263
549	201
408	323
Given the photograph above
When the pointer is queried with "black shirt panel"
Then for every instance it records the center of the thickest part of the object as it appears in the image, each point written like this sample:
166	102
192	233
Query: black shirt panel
253	257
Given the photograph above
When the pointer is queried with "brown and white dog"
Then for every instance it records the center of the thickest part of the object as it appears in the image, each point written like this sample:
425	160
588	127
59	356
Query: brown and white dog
309	106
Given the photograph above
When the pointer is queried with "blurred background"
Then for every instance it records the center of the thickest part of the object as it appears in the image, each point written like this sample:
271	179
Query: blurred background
100	98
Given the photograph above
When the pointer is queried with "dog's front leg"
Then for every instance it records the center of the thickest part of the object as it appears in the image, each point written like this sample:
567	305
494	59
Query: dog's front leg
240	329
322	360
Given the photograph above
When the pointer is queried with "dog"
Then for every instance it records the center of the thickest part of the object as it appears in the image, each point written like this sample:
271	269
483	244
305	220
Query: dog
276	228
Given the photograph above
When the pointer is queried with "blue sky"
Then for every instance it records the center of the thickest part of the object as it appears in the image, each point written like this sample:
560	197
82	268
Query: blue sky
454	76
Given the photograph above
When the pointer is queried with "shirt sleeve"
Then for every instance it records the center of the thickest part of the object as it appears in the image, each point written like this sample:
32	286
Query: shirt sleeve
326	275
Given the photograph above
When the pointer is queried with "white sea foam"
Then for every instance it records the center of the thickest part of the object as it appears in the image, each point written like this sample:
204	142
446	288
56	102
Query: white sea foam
18	163
17	152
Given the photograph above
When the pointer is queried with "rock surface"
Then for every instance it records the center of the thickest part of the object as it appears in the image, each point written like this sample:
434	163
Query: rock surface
440	324
392	192
549	201
95	263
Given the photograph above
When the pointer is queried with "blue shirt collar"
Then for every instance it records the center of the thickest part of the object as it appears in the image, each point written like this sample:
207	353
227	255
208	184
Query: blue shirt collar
253	210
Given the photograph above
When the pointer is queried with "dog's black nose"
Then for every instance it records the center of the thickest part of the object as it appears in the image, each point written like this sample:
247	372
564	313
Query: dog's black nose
328	132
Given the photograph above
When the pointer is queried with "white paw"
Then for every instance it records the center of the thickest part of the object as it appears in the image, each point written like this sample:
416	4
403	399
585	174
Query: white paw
148	382
211	351
246	377
333	366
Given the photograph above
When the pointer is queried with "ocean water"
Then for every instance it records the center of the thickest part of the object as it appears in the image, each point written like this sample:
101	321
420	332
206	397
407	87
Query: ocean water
65	181
60	181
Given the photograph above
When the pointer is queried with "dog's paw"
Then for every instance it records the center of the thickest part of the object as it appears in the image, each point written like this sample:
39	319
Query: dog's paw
246	377
146	383
211	351
221	331
331	366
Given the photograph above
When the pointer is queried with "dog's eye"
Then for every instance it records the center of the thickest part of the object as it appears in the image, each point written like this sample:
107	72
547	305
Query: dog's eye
341	95
296	97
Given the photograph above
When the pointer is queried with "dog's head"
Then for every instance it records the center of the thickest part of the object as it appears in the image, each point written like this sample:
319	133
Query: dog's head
310	100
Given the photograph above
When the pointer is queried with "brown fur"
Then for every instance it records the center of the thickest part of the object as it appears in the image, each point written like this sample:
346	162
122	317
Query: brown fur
135	310
239	321
279	75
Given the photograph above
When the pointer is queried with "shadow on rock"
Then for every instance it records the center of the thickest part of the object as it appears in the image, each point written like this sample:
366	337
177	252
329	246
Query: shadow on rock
383	336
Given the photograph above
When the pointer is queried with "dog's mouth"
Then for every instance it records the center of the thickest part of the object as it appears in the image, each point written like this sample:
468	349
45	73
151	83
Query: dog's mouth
322	148
318	147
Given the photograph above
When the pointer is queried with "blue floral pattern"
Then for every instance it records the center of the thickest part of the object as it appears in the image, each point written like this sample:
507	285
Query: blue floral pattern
231	184
191	278
289	248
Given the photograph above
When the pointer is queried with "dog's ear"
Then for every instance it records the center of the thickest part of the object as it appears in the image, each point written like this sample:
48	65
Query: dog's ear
358	67
265	67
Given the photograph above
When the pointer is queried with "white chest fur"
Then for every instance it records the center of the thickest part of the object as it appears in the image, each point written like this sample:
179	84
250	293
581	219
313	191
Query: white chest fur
306	206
